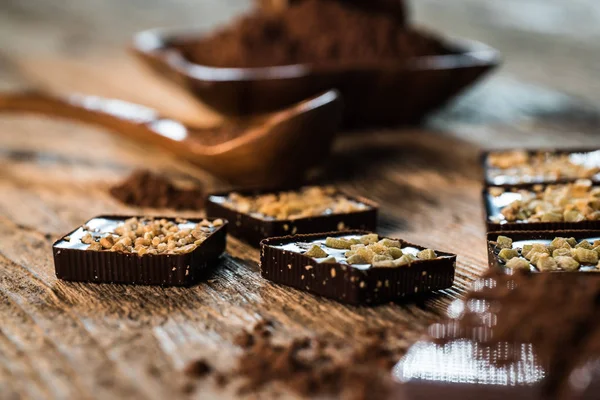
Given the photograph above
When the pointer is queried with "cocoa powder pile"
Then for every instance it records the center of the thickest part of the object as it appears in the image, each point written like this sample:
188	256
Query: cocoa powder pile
318	366
147	189
315	32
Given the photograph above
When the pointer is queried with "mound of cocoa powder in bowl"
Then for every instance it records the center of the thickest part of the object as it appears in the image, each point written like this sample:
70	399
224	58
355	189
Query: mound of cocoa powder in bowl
312	31
147	189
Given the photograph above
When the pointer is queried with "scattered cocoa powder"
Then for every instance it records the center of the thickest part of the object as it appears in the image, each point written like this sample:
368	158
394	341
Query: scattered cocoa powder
311	31
319	366
147	189
198	368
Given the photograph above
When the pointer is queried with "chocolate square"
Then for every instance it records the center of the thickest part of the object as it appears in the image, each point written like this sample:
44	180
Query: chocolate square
73	262
252	229
352	284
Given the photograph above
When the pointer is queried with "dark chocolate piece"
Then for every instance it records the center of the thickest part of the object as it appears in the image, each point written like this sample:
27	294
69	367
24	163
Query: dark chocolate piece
495	221
74	262
521	238
252	229
513	336
542	166
281	262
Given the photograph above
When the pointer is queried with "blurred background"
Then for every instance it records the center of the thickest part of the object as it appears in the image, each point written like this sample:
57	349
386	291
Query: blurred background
550	49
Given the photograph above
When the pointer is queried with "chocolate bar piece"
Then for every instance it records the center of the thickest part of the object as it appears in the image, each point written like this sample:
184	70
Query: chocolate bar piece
520	336
257	215
514	167
355	267
561	206
146	251
545	251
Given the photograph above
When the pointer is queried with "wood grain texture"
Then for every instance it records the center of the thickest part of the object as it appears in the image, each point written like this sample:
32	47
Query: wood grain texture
69	340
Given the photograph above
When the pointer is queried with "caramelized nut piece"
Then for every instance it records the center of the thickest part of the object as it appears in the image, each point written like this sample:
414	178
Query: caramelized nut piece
559	243
573	216
552	217
504	242
518	263
87	238
585	256
526	249
562	252
356	259
406	259
390	243
395	252
507	254
584	244
426	254
546	263
536	249
572	241
384	264
567	263
369	239
336	243
316	252
95	246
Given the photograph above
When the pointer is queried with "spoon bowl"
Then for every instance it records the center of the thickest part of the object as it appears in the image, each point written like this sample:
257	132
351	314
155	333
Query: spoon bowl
271	149
381	94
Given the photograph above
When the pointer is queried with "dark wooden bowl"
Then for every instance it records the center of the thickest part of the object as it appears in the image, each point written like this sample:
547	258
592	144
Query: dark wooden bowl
377	94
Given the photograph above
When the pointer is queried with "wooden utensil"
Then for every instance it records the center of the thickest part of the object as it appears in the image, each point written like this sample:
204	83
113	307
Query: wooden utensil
374	94
276	148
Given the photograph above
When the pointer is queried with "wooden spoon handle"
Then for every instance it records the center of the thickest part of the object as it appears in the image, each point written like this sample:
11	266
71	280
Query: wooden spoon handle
126	119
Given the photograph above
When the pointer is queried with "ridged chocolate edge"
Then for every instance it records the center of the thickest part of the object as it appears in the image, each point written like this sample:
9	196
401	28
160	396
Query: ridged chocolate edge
252	230
162	269
350	285
485	167
494	263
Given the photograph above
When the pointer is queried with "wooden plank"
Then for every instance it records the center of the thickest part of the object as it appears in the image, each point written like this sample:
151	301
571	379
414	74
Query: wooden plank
71	340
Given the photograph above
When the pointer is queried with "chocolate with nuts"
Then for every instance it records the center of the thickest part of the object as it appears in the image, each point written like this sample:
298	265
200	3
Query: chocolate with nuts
512	167
257	215
573	205
141	250
355	267
541	251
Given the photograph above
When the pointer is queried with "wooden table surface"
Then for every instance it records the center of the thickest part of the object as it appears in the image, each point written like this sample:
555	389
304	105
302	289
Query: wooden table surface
70	340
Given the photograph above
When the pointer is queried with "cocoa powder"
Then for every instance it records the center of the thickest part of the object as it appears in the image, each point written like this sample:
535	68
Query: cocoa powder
147	189
319	366
315	32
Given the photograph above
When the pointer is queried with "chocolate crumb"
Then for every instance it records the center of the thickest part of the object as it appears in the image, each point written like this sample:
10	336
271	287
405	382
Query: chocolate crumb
198	369
147	189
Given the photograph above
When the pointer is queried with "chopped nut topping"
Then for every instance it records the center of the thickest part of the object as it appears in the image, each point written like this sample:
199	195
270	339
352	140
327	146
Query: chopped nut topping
316	252
518	263
507	254
573	202
367	249
504	242
426	254
561	254
307	202
521	167
337	243
151	236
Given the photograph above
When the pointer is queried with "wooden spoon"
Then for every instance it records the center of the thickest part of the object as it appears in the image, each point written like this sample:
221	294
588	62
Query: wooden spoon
274	149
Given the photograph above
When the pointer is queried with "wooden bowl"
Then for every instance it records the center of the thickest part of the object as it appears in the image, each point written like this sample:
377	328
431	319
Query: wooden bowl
382	94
